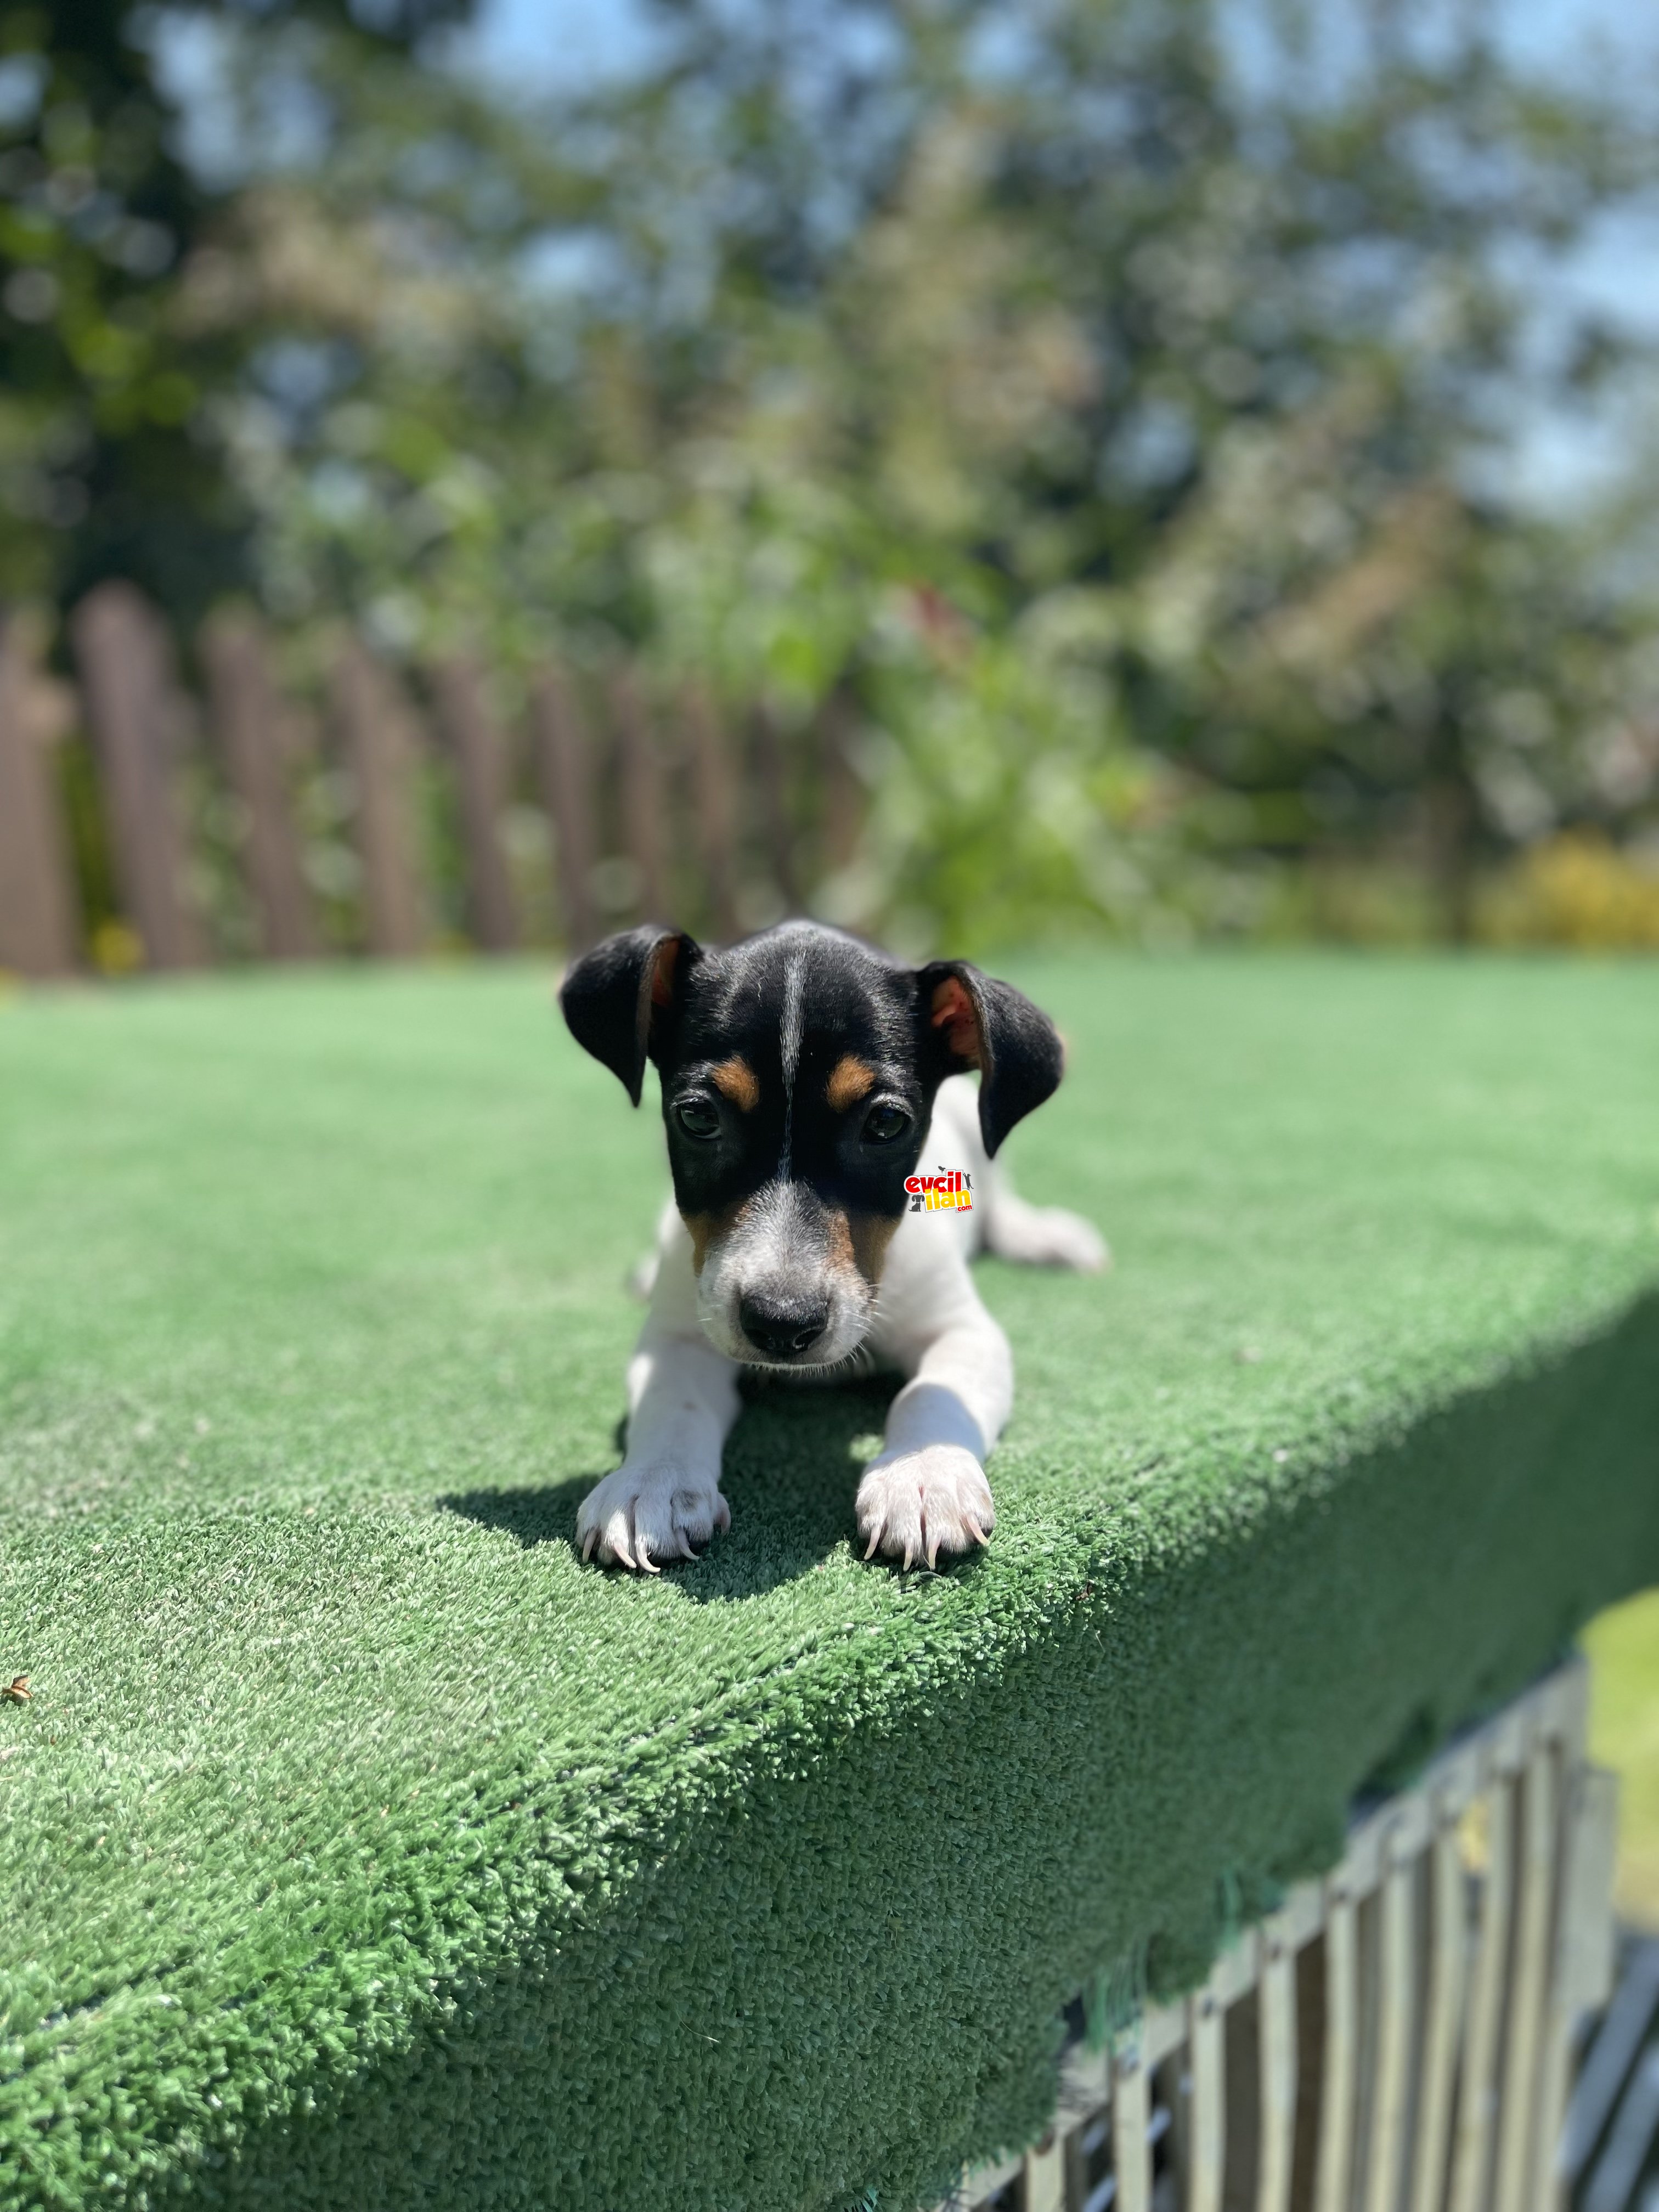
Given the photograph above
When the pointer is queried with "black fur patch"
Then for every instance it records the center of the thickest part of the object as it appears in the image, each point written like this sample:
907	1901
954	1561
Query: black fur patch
838	996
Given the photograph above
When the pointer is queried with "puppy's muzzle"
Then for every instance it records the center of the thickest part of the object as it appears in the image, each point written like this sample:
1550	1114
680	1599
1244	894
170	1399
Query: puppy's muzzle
782	1327
778	1282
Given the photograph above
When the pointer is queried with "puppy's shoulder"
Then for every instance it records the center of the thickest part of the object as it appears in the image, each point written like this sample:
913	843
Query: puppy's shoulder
954	1127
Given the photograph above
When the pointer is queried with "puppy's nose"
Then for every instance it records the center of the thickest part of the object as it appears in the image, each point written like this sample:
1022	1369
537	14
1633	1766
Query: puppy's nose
779	1325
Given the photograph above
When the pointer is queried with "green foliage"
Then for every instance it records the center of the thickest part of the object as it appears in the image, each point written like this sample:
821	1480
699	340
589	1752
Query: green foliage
1623	1654
97	463
109	463
1114	425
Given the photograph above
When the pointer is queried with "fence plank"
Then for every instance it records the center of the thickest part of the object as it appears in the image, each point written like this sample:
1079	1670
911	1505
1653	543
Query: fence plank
1388	2147
247	721
1132	2156
1207	2138
1448	1926
1483	2029
714	800
641	767
376	737
1045	2176
843	788
772	781
1518	2147
564	771
122	652
1276	2000
480	751
1334	2177
37	928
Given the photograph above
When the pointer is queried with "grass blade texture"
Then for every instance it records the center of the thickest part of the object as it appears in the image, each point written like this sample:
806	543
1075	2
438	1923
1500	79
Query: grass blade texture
360	1847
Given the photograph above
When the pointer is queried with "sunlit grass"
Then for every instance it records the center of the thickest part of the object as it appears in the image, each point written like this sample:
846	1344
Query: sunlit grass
1624	1649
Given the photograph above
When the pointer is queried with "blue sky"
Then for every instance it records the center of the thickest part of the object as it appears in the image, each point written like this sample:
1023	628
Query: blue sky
553	41
528	44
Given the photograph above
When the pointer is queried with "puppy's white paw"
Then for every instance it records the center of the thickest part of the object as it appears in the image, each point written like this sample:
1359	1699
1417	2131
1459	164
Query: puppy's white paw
639	1515
922	1502
1049	1237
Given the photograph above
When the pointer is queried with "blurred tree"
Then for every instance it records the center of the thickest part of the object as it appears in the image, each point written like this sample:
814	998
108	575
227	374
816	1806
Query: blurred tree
1113	398
107	465
1207	375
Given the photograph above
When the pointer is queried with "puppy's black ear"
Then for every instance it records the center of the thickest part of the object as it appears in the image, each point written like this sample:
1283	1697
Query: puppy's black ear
976	1021
611	997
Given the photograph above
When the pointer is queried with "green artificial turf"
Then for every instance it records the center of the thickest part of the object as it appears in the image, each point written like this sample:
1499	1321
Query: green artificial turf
361	1849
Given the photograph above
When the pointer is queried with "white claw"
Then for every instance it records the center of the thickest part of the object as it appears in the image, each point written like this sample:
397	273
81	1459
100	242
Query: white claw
638	1517
925	1503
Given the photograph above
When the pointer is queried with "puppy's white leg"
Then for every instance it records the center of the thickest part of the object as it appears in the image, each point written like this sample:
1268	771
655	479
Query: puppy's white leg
642	1275
1040	1236
1002	1221
926	1492
664	1501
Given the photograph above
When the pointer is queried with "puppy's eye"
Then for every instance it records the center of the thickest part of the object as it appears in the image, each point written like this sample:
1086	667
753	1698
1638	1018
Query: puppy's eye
884	1124
698	1119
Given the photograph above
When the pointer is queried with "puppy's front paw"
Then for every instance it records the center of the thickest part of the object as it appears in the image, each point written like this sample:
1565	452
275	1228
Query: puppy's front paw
639	1515
923	1502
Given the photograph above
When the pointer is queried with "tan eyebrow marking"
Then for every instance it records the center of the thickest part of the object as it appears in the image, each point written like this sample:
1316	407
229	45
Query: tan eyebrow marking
734	1079
872	1234
850	1079
707	1229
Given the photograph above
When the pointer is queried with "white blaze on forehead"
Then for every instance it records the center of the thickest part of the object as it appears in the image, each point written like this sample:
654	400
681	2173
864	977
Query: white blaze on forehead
794	983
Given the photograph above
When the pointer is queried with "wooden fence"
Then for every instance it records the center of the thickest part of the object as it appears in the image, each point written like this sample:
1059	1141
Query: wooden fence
147	820
1399	2036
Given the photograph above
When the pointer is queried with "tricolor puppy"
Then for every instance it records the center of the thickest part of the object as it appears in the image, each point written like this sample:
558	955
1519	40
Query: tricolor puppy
804	1078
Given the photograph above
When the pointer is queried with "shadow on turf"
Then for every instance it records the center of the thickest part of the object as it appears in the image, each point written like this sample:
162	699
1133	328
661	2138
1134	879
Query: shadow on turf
790	1473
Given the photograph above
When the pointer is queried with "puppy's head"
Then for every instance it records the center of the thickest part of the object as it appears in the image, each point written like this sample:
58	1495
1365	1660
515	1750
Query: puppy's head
798	1072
